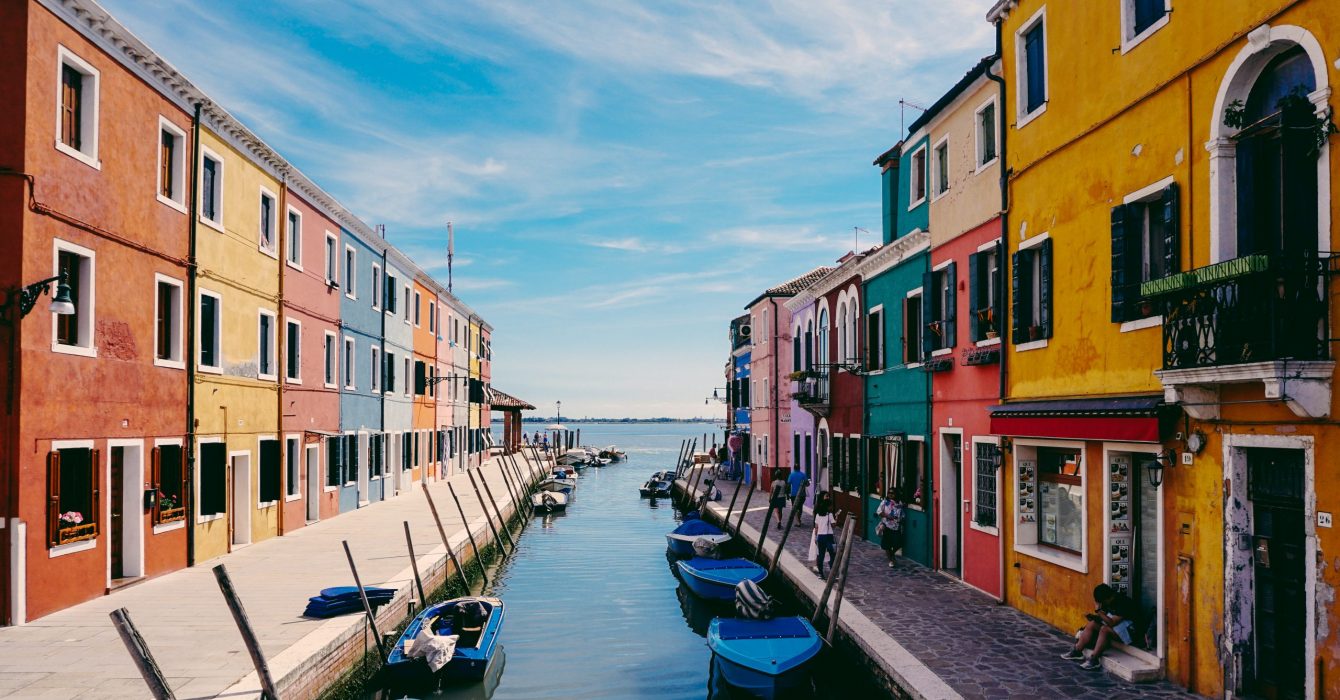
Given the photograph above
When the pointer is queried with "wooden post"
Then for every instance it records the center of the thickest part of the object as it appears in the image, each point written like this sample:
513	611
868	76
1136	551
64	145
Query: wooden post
847	529
726	519
363	595
414	563
466	521
248	635
488	517
521	492
507	532
745	509
139	652
842	587
451	554
763	533
679	459
517	509
791	520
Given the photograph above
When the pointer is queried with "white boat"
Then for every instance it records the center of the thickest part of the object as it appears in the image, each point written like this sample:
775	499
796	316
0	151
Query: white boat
549	501
557	484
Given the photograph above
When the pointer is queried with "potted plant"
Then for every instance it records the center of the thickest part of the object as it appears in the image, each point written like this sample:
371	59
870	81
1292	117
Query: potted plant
986	318
71	518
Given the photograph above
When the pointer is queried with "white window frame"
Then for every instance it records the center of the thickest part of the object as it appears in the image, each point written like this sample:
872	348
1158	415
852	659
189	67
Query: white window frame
104	515
432	316
90	99
274	336
273	250
972	512
936	162
376	369
418	308
389	360
923	173
348	366
350	263
1021	69
291	348
332	271
1024	245
377	283
219	174
293	238
408	290
330	350
218	331
176	524
87	299
1148	194
390	282
178	199
293	487
178	360
1027	449
994	100
409	372
1129	39
921	326
883	349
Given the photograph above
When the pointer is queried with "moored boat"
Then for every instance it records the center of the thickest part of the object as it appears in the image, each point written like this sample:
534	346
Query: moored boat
717	578
680	541
549	501
557	484
474	621
655	489
763	657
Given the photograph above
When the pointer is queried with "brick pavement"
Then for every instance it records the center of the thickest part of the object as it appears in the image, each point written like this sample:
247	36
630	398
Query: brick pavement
982	650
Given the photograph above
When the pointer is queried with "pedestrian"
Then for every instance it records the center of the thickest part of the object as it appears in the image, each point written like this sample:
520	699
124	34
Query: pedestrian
891	512
823	535
1114	616
777	497
796	480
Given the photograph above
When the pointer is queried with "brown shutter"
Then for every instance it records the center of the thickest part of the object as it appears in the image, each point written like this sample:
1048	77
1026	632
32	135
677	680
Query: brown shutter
95	481
72	82
53	498
166	164
156	480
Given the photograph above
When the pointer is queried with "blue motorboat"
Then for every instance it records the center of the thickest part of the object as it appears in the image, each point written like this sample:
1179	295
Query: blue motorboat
680	541
763	657
476	620
717	578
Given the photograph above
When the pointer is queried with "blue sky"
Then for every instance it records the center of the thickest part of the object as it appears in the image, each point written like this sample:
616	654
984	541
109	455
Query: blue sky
622	177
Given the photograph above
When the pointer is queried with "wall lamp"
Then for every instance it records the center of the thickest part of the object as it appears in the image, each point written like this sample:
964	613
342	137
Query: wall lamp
715	396
61	303
1163	460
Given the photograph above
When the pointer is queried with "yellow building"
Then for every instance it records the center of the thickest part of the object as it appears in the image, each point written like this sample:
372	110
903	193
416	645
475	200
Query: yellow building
238	461
1168	372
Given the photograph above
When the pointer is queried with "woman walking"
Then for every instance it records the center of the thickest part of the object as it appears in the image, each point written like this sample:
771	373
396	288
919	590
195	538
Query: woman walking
891	512
823	535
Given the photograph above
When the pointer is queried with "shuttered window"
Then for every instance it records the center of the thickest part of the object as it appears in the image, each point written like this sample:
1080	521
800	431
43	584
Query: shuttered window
1032	293
267	241
351	454
1146	246
420	378
984	497
912	329
211	195
1035	67
71	267
271	471
73	496
167	163
292	457
1147	12
874	340
986	134
72	108
168	467
213	478
984	293
940	290
334	461
293	356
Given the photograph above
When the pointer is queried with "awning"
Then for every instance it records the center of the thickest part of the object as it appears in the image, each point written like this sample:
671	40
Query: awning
1127	418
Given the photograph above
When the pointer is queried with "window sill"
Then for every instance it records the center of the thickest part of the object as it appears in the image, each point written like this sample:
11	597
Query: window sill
209	369
293	380
169	364
993	531
72	548
1032	345
917	203
1141	324
988	342
1024	119
295	265
210	518
172	203
268	252
912	365
267	377
1074	562
263	505
292	497
982	167
74	350
937	196
86	159
169	527
216	225
942	352
330	489
1138	39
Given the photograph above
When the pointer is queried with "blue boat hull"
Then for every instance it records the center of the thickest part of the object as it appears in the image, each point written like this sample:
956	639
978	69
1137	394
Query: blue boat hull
712	588
467	664
763	657
681	548
756	683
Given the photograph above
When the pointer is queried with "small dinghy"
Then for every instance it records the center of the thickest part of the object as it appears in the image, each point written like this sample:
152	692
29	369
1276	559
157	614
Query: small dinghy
549	501
763	657
655	489
680	541
558	485
451	641
716	578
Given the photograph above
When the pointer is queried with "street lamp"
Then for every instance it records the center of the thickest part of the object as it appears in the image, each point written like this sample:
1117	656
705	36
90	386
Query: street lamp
61	303
559	404
715	396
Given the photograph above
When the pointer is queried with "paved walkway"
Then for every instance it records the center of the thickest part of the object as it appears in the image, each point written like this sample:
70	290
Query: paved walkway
76	653
980	649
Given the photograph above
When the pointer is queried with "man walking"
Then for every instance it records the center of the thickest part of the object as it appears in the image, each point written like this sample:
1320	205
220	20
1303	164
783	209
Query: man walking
797	480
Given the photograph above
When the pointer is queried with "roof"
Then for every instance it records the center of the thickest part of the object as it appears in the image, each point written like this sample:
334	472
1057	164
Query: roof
794	285
890	155
504	401
968	79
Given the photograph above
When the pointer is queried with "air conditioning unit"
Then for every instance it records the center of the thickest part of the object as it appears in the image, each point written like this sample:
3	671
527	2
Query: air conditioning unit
745	330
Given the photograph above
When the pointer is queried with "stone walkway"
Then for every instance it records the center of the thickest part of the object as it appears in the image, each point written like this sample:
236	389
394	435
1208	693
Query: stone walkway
982	650
76	653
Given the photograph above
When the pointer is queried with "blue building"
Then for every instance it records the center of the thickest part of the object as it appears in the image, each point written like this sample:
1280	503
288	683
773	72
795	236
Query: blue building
362	375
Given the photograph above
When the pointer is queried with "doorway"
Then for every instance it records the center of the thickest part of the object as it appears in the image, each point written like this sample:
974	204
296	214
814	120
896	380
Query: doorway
118	468
125	470
1275	487
1133	542
239	516
951	499
313	461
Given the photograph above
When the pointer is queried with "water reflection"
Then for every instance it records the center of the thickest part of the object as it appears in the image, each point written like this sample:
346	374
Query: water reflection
473	690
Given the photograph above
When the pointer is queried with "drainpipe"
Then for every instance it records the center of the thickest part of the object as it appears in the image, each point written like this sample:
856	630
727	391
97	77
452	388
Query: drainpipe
1004	266
776	407
281	338
191	349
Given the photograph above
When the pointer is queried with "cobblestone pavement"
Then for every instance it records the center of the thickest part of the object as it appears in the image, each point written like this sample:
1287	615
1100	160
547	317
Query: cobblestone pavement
981	649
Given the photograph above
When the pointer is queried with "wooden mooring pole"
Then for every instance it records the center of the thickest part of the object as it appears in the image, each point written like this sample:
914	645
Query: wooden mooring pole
725	520
268	690
363	596
507	532
841	588
451	554
479	559
139	653
523	494
517	509
414	563
744	509
847	529
790	520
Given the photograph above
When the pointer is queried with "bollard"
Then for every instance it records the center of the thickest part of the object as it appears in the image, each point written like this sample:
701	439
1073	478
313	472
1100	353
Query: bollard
253	644
139	652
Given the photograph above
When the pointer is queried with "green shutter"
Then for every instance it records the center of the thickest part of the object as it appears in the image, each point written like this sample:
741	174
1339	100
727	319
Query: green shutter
1045	288
1018	268
1121	267
951	299
974	294
929	313
1172	243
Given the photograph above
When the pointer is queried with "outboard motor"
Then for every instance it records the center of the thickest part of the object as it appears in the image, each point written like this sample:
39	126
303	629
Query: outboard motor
751	603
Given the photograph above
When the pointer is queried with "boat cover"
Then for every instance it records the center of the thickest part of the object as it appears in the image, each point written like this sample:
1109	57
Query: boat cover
751	603
697	527
777	628
702	564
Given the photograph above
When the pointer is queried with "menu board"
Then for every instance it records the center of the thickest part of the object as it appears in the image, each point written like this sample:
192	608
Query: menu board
1027	487
1119	533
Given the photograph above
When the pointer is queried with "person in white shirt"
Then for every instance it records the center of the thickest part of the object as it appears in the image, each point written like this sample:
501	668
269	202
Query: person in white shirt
823	534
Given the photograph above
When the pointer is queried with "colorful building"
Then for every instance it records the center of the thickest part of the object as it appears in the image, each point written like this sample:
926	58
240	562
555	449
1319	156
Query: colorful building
804	450
398	387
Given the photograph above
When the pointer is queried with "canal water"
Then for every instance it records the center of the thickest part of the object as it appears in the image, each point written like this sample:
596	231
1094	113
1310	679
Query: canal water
593	607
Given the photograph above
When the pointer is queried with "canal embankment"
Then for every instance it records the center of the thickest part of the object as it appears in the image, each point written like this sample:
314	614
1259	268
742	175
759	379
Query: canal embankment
184	620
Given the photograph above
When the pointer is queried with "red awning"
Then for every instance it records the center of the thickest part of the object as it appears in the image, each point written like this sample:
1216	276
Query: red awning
1126	419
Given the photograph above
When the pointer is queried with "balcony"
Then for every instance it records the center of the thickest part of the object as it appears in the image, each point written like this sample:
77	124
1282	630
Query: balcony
812	394
1246	320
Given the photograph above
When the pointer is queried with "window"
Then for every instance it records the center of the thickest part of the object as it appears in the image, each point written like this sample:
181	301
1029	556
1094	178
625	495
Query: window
390	372
330	360
390	293
918	177
213	501
171	165
420	378
376	369
376	287
210	323
1032	48
432	317
294	253
350	268
795	349
912	329
1145	246
418	302
332	260
874	339
349	382
266	345
167	322
77	108
911	473
407	319
376	442
334	461
293	354
269	222
271	472
292	452
1141	18
940	310
168	476
72	491
1060	501
987	143
941	168
407	376
211	189
73	333
1032	298
351	451
984	483
984	292
842	351
889	193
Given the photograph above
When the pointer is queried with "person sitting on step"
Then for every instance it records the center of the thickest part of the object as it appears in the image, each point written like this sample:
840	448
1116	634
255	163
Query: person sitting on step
1114	616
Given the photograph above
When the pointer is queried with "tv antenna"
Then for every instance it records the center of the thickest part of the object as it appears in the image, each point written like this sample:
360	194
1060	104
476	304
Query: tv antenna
902	104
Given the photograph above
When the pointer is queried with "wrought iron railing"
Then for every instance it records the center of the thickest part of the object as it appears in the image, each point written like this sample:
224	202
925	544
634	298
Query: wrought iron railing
813	390
1251	309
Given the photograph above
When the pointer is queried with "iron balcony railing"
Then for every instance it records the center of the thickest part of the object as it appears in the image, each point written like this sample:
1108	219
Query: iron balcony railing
1251	309
812	389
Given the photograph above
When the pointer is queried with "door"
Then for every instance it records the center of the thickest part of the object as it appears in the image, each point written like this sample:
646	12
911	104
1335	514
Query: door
118	471
1275	485
239	516
951	500
313	483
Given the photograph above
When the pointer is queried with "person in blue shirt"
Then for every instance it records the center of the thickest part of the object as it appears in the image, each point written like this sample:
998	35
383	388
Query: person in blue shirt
795	480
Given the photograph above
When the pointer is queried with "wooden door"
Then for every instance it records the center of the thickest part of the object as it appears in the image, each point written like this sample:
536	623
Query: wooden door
1276	489
118	521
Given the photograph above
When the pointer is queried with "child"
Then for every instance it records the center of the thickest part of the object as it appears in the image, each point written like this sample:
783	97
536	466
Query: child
823	534
891	512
